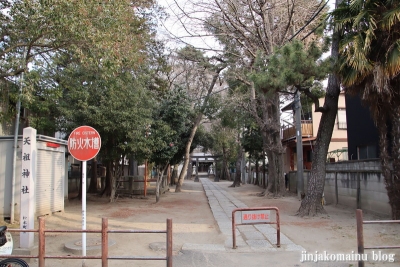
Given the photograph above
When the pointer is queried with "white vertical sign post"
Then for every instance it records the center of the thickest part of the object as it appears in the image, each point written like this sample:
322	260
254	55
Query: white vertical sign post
28	177
84	143
83	210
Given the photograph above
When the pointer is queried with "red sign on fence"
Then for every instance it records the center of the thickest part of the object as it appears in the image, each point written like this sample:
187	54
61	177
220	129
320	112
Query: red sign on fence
84	143
255	216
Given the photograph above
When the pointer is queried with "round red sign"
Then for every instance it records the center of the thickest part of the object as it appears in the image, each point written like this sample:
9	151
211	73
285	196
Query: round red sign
84	143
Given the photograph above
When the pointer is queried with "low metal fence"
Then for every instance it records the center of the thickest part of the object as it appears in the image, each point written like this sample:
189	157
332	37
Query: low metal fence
104	244
360	235
252	216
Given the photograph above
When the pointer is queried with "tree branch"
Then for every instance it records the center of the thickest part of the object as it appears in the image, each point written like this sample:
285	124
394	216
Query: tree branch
314	98
12	73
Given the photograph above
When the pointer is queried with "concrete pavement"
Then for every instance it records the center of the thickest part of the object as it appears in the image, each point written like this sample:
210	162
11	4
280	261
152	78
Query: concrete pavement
249	238
256	244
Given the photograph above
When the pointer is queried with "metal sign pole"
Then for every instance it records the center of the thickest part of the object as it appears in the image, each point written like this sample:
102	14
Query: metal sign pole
83	211
299	146
84	143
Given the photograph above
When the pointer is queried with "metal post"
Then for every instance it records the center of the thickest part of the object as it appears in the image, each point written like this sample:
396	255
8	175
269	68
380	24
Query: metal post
83	211
169	242
278	228
299	144
42	241
233	230
104	242
360	236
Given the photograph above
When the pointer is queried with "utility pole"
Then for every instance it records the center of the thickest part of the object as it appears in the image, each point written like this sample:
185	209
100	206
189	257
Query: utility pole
16	130
299	144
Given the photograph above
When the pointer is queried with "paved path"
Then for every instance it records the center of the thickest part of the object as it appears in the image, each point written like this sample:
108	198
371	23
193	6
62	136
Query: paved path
259	237
256	244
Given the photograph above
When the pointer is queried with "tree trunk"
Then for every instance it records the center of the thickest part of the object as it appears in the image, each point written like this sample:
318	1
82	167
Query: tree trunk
385	159
194	129
238	174
113	183
271	180
93	179
392	181
160	178
273	145
311	204
248	170
264	168
109	188
276	179
187	153
255	182
174	174
225	170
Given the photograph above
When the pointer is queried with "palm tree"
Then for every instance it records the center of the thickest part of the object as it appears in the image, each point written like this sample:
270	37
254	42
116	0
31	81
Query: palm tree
369	65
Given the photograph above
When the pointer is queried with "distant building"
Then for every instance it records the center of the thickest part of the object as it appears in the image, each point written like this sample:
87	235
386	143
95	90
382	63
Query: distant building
201	160
362	135
309	126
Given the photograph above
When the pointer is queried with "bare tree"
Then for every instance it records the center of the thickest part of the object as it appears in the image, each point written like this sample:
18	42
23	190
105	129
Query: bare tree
245	29
199	75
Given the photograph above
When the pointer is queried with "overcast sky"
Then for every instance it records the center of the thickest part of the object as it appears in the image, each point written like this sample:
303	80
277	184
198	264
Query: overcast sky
175	29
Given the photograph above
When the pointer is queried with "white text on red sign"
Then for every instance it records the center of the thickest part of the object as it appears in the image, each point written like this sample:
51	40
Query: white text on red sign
84	143
85	133
255	216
